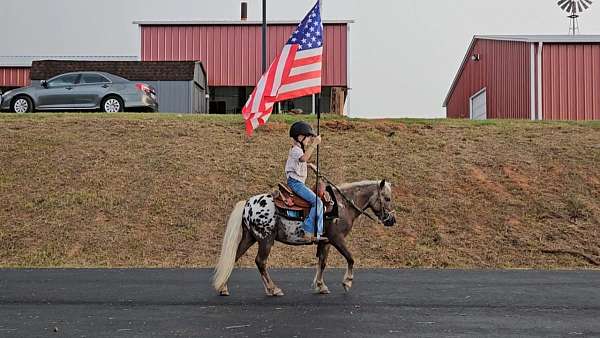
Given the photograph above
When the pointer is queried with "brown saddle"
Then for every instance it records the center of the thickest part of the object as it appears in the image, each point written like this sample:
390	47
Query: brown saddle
285	199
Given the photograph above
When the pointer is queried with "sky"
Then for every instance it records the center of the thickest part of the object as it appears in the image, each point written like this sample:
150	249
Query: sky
404	53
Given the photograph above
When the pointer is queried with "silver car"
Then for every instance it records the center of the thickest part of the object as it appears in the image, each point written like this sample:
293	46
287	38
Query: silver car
82	91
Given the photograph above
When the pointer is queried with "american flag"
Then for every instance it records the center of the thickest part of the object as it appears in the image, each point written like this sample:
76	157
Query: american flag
295	72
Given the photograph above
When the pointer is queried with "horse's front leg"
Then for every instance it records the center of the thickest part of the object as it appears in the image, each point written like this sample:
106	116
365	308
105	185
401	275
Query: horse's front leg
264	248
319	283
340	244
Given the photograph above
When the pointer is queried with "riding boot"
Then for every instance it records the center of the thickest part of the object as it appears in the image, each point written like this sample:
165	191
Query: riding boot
312	239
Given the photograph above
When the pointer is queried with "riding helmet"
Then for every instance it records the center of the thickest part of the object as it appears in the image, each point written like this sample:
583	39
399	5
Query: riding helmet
301	128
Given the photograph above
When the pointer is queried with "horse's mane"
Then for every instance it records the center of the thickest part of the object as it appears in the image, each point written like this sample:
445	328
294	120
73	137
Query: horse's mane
358	184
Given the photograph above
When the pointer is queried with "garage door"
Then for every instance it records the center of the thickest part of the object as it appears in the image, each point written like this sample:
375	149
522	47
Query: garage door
479	106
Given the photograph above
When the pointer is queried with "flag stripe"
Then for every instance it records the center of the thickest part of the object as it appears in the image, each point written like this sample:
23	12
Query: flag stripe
283	59
309	53
306	69
307	61
299	85
303	77
257	98
270	80
300	93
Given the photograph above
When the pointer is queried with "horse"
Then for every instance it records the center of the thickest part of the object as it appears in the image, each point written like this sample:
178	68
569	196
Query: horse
257	220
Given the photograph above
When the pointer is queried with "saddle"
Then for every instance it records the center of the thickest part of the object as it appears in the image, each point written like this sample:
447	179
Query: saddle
294	207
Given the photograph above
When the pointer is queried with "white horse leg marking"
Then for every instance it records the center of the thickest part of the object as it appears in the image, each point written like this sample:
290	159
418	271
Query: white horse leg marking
224	291
348	278
319	283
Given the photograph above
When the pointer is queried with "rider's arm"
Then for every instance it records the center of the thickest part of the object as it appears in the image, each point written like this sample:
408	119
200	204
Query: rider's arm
308	153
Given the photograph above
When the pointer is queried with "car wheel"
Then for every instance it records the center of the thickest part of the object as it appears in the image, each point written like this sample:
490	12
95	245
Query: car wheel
112	104
22	104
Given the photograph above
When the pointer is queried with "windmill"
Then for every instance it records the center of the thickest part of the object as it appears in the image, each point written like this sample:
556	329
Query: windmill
573	7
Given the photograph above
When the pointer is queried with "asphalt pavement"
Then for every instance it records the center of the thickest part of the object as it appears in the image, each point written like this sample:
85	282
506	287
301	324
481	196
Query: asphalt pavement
383	303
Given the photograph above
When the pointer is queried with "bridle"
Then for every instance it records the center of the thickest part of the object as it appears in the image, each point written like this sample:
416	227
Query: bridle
367	206
385	214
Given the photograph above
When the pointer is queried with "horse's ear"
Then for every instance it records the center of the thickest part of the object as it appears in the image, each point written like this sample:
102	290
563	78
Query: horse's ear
382	184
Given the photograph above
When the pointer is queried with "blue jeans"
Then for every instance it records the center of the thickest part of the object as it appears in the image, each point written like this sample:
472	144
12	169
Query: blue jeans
302	190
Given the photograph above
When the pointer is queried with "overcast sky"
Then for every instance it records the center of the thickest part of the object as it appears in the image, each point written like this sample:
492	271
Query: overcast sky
405	53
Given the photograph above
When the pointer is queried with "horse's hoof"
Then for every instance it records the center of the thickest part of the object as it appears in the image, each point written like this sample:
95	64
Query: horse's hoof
320	288
346	287
224	293
324	291
277	293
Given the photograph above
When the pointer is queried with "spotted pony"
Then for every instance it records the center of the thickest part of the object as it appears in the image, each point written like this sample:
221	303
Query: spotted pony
257	220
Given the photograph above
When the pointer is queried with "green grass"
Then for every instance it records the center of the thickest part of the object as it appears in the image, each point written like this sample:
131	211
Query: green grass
236	118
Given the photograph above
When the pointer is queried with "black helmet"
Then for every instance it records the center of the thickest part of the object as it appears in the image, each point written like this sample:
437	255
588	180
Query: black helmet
301	128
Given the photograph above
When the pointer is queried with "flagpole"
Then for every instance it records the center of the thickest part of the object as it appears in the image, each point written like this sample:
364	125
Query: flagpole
318	106
264	36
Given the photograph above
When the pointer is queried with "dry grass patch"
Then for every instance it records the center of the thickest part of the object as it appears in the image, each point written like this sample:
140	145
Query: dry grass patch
155	190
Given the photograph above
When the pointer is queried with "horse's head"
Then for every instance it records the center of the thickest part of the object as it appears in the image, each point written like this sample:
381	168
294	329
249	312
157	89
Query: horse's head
381	204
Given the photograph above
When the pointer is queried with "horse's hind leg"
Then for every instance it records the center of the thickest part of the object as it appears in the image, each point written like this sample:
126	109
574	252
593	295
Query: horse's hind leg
247	241
319	283
264	249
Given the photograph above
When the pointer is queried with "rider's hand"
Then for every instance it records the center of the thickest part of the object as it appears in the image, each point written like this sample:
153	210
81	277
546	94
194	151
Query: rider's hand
316	140
312	166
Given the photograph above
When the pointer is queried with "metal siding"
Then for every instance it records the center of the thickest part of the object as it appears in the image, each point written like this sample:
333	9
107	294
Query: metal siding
14	76
596	75
232	53
173	96
571	81
504	69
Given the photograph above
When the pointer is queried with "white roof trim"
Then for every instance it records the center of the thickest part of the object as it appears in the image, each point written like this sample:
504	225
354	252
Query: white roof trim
460	69
26	60
230	22
543	38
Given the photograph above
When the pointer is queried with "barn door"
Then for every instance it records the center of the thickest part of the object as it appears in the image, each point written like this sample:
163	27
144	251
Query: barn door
479	105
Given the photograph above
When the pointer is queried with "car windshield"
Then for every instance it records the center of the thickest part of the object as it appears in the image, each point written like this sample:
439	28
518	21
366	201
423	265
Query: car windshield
64	80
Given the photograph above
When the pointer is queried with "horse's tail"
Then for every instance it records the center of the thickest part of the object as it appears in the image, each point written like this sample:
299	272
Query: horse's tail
231	241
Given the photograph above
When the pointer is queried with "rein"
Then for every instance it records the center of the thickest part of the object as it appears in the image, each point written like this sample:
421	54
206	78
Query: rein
349	201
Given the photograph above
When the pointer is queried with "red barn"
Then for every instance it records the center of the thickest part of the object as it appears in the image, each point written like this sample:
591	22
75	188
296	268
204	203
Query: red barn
14	76
231	52
533	77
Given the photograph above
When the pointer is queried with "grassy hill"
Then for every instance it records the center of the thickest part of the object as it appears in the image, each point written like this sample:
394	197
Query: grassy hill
91	190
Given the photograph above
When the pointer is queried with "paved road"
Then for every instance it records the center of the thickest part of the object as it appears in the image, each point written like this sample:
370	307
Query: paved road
383	303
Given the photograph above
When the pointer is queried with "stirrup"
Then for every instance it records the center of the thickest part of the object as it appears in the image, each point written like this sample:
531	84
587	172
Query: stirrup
315	239
322	239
